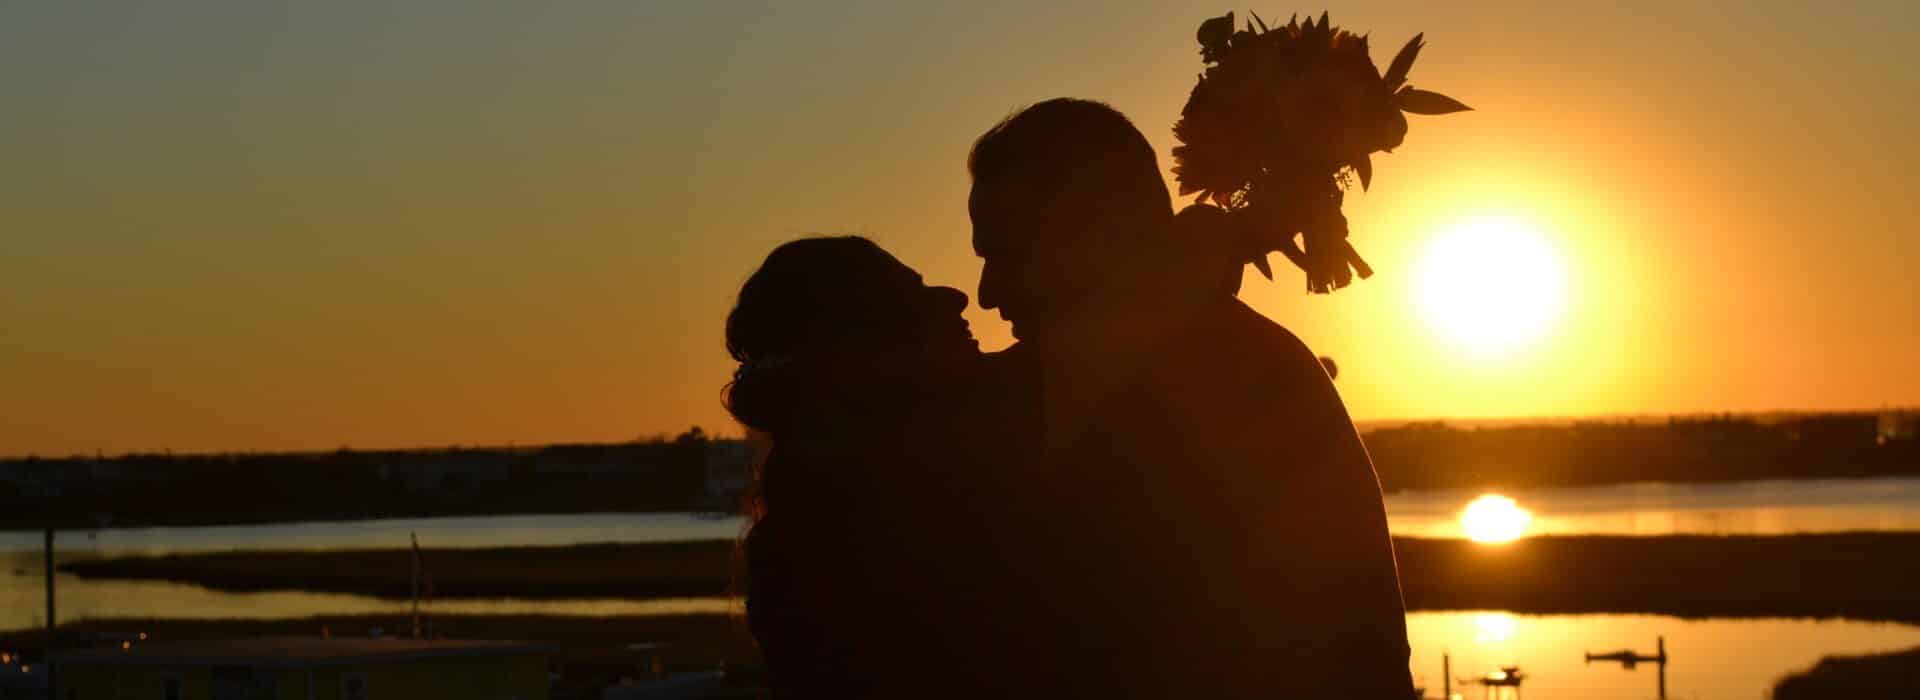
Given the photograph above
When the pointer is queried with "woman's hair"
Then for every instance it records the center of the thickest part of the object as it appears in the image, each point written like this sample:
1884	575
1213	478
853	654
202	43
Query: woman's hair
811	298
806	330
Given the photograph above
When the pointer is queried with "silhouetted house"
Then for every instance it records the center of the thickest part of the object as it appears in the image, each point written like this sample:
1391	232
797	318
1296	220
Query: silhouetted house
593	460
1899	426
309	667
34	478
450	470
1838	430
729	468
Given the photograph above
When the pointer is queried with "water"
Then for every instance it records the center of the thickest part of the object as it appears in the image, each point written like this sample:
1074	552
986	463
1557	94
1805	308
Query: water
1651	509
1741	508
1763	508
476	531
22	589
1709	659
1712	658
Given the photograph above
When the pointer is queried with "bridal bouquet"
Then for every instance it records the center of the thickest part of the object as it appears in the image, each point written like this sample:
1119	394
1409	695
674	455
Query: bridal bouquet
1280	124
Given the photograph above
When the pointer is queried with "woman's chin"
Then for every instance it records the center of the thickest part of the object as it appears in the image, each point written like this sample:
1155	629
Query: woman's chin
962	346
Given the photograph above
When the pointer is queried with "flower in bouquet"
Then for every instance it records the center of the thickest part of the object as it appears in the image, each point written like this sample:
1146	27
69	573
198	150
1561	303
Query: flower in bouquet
1281	122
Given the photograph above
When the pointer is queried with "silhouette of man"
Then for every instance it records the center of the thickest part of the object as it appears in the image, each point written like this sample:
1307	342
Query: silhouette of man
1212	525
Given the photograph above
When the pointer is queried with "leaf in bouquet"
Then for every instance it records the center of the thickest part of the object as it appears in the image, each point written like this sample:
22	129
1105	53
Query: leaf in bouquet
1263	23
1322	32
1363	166
1260	263
1403	62
1424	102
1360	266
1214	35
1366	52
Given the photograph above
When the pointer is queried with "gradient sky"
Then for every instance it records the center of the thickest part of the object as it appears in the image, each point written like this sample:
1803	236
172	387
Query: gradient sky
251	225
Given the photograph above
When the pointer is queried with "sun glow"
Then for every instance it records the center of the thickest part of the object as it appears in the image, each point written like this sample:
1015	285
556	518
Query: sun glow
1494	519
1493	628
1491	285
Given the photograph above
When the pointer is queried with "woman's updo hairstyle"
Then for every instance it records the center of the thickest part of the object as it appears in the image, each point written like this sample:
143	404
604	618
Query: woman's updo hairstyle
806	300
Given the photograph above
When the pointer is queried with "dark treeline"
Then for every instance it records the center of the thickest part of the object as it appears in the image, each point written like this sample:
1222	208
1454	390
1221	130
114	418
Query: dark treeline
694	472
163	489
1728	448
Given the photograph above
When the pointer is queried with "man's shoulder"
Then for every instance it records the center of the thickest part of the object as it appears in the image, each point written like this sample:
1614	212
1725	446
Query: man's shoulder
1250	342
1244	319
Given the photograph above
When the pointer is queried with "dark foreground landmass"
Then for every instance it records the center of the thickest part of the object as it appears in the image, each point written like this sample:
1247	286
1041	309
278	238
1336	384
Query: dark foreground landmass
590	653
692	639
652	570
588	649
1866	576
609	570
1889	676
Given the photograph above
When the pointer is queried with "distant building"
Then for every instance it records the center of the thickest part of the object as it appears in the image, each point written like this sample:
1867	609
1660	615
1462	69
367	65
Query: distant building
309	667
1835	429
729	468
1898	426
33	478
596	460
443	471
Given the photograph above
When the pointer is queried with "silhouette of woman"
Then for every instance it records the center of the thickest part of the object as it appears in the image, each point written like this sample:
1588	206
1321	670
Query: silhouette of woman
843	351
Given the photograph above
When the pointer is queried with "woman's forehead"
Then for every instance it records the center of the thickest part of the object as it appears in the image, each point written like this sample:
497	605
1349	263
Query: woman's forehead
887	264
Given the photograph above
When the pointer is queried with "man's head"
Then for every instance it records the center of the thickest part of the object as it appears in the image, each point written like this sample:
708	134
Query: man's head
1069	212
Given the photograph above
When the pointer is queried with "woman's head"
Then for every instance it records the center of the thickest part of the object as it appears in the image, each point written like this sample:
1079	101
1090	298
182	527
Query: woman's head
841	301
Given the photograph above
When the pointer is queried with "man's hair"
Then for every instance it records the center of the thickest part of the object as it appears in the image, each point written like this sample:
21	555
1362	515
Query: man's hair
1081	150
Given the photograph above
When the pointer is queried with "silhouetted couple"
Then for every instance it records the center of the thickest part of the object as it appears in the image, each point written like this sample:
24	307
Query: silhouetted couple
1155	493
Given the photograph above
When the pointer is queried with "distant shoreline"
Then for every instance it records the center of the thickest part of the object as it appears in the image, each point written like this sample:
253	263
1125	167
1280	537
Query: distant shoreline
694	472
1863	576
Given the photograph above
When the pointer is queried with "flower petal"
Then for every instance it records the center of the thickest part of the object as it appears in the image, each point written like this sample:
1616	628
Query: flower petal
1403	62
1424	102
1214	33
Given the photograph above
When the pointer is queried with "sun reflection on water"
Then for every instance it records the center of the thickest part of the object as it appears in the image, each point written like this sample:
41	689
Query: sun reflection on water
1493	628
1494	519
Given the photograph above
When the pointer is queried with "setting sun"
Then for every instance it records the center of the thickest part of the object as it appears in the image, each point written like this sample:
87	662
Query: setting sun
1491	285
1494	519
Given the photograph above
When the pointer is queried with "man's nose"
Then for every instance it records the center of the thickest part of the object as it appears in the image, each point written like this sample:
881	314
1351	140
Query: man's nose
989	292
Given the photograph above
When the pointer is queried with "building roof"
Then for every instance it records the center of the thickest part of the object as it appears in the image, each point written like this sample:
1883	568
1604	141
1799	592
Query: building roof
297	652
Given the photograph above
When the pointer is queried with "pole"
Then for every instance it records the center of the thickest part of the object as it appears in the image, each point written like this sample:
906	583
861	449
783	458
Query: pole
1662	650
47	655
415	581
1446	676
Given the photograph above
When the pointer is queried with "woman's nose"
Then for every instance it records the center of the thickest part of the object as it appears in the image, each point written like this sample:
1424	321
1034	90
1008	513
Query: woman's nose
950	298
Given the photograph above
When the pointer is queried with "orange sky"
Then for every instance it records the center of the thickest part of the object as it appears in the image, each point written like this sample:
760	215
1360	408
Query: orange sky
255	225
